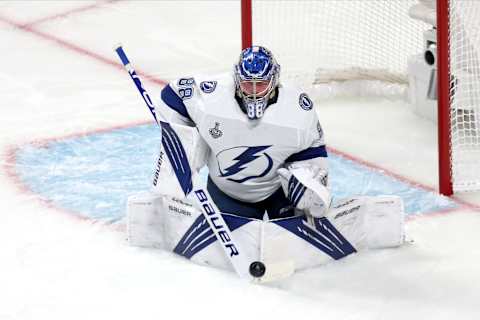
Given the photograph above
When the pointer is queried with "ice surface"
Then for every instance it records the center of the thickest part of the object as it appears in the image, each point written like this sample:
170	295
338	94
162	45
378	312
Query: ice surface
94	174
58	84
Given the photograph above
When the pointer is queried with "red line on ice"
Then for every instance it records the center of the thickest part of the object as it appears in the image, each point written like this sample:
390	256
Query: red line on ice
9	167
69	13
28	27
380	169
463	204
77	49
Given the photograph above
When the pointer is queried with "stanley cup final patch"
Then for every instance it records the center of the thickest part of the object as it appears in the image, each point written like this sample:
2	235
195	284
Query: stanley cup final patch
305	102
215	132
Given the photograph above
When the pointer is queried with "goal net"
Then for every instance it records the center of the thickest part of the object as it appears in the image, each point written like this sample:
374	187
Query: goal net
336	41
333	44
464	85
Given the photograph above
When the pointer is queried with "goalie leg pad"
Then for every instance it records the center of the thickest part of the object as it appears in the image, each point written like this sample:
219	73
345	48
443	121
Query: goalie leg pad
370	222
385	222
166	222
144	221
173	224
149	224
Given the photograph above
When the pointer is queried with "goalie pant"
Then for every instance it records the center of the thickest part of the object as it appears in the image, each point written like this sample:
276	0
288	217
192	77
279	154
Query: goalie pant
351	225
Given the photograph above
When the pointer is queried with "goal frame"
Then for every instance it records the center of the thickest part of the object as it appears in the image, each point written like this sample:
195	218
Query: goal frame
443	83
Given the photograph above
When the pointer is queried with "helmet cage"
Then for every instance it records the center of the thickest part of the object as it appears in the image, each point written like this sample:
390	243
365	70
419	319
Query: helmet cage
256	69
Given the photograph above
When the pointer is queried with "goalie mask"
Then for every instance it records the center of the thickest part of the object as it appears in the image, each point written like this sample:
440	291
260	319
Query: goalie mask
256	78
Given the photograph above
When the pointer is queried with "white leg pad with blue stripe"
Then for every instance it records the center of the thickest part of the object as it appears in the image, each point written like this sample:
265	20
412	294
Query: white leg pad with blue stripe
351	225
370	222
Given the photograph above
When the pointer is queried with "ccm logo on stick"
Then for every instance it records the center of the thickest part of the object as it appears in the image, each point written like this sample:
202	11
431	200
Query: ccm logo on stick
216	222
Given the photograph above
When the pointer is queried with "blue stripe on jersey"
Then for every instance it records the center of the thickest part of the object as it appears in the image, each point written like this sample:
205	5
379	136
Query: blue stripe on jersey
172	100
177	156
310	153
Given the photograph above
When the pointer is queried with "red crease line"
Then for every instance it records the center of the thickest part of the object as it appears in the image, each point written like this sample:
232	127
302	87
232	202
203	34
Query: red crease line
462	204
77	49
69	13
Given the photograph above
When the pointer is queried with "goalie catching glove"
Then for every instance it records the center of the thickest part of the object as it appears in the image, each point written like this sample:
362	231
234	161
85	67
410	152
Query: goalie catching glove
306	188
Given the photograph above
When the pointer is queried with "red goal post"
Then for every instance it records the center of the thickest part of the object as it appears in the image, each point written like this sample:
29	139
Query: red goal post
443	126
373	40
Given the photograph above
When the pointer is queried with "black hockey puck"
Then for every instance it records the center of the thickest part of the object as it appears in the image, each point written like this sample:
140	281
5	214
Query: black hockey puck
257	269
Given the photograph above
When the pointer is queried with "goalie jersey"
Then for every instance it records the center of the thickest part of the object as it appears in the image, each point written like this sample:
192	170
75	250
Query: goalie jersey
244	154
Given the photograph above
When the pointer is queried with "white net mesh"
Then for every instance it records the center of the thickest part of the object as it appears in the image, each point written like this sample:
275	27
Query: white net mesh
325	41
465	93
361	47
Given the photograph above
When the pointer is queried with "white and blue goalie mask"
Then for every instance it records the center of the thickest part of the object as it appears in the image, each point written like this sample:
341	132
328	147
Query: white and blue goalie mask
256	77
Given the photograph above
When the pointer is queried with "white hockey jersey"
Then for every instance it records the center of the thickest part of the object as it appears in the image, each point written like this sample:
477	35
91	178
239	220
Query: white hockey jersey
245	154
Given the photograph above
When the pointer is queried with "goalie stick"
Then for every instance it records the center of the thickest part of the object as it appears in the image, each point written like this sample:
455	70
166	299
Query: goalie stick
198	195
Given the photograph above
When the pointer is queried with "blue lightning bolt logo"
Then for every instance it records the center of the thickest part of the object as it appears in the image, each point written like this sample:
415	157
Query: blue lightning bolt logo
242	160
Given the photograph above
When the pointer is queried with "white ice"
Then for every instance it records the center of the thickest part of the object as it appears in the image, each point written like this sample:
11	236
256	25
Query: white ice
56	81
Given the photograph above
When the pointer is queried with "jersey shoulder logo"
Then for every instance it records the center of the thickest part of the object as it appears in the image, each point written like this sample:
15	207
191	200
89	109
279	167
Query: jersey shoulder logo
240	164
208	86
305	102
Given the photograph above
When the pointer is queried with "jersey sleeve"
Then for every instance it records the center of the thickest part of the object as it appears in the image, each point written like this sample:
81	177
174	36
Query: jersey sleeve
179	138
173	99
313	153
312	141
